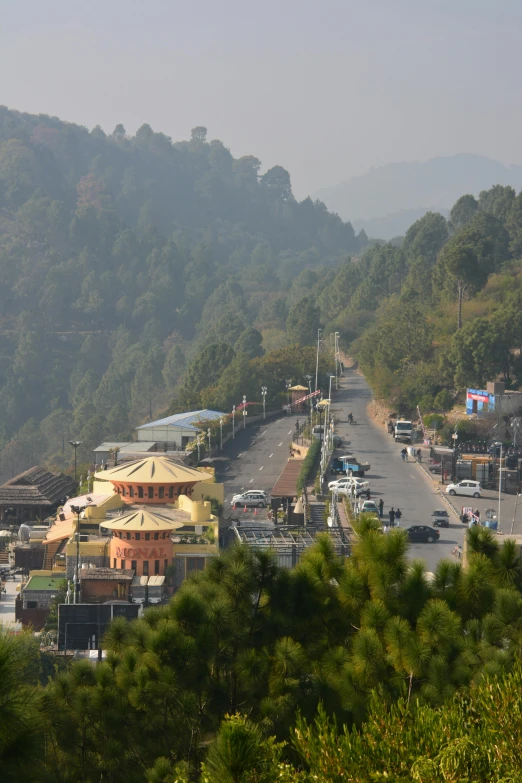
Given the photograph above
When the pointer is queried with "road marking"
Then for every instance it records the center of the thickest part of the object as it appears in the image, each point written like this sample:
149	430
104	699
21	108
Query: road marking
289	433
270	455
251	481
280	444
261	468
239	455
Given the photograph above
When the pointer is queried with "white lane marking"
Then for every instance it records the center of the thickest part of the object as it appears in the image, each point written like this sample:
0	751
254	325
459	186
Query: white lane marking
280	444
239	455
289	433
261	468
251	481
270	455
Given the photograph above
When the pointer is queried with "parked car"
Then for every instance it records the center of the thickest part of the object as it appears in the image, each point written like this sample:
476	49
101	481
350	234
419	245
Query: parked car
467	487
254	497
435	467
369	507
422	534
440	518
360	489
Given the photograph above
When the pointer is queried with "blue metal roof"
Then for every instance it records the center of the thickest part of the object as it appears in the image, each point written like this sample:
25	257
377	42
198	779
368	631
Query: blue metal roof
184	420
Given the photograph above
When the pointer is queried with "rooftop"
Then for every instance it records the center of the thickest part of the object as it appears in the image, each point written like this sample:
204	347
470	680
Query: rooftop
186	420
143	519
107	574
153	470
36	487
286	484
43	583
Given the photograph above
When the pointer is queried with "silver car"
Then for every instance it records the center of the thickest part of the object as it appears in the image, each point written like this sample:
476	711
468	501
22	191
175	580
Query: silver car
254	497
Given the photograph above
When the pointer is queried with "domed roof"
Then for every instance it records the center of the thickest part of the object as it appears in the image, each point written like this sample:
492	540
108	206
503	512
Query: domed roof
153	470
142	519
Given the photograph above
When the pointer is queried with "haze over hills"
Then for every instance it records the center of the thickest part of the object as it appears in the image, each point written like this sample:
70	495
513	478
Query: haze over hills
387	200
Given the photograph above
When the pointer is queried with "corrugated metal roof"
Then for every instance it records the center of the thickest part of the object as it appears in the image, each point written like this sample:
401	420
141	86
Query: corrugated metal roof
107	445
286	484
156	581
184	420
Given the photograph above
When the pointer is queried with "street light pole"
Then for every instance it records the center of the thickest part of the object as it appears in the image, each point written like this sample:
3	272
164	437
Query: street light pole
244	411
77	510
499	486
263	393
288	384
221	432
209	433
75	444
317	358
233	421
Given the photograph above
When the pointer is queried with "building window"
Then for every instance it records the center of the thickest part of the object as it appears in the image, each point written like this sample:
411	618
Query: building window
156	567
128	536
145	568
147	536
32	605
122	564
140	492
151	492
138	536
171	492
123	491
195	564
134	565
156	536
161	492
131	492
114	562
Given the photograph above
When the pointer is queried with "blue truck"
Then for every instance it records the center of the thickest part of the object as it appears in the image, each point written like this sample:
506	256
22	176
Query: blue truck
349	465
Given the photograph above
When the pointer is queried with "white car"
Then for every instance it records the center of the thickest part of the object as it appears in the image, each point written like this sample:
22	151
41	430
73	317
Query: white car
254	497
470	488
369	507
348	481
359	486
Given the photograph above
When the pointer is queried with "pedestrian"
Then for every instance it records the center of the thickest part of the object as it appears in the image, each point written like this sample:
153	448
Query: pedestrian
404	454
398	515
391	515
368	495
477	514
381	507
357	507
419	455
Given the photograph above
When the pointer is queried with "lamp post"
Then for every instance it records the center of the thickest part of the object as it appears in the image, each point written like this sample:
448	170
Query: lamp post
75	444
309	379
77	510
244	411
288	383
499	483
263	394
317	358
208	435
336	334
222	419
233	421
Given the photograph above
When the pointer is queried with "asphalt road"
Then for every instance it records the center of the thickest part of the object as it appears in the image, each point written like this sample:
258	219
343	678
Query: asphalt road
399	484
256	458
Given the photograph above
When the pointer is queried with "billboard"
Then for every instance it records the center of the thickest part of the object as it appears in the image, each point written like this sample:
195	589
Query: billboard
479	401
82	626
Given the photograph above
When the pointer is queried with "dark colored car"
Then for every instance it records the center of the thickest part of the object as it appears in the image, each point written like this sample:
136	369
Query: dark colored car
440	518
435	467
422	534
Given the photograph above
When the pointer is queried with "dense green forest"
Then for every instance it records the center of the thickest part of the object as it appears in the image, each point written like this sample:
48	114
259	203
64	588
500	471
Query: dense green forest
122	259
411	665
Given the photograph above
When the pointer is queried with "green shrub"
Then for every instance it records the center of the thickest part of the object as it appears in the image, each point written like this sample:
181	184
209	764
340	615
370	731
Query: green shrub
310	462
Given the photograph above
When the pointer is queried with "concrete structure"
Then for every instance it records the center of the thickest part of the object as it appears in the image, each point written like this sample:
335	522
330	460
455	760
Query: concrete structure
34	602
493	399
121	450
175	432
141	540
154	480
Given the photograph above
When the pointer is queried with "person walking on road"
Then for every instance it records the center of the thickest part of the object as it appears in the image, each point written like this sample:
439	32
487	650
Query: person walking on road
391	514
398	515
419	455
381	507
404	454
368	494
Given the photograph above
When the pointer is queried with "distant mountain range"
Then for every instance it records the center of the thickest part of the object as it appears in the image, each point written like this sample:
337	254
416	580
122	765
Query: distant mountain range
387	200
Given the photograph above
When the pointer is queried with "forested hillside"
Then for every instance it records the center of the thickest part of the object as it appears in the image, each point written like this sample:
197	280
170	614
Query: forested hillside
442	309
121	258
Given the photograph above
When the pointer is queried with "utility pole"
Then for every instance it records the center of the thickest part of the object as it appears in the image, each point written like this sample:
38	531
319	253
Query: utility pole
221	432
244	411
263	394
499	486
77	510
208	434
317	358
233	421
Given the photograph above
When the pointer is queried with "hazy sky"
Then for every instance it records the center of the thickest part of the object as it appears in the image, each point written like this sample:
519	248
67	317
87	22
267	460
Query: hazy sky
326	88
